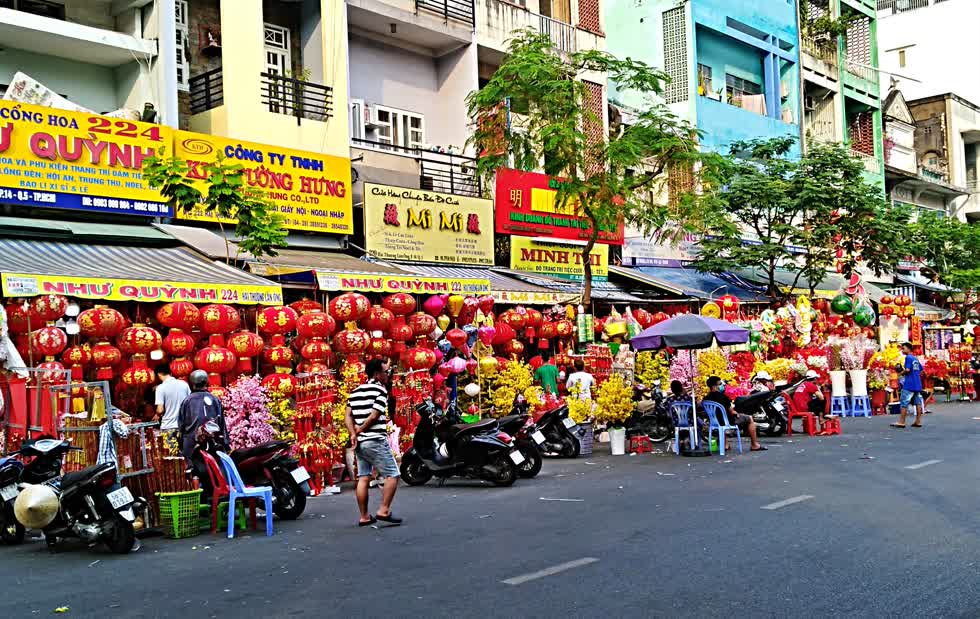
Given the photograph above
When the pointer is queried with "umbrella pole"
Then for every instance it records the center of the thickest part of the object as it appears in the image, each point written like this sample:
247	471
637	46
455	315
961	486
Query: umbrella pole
694	403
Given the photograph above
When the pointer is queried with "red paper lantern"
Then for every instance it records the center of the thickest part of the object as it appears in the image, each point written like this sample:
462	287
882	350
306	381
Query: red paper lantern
885	300
181	367
378	319
565	328
486	304
278	354
514	348
49	341
21	318
52	371
139	340
49	307
349	307
316	323
177	343
421	324
643	318
215	360
282	384
548	330
504	334
379	347
659	317
101	322
887	310
516	320
401	332
419	358
400	303
456	337
218	318
179	315
76	358
304	306
534	318
245	345
316	350
104	357
276	320
138	374
352	341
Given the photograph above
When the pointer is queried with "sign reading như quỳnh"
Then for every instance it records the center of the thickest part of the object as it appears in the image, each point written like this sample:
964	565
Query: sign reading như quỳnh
532	256
525	205
71	160
415	284
311	191
426	226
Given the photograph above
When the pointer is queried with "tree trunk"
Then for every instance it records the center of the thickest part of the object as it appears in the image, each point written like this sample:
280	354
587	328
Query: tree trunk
587	263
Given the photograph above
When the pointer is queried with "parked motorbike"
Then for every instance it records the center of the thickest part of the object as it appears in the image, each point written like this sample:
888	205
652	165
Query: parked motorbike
443	448
767	409
555	427
526	438
269	464
651	416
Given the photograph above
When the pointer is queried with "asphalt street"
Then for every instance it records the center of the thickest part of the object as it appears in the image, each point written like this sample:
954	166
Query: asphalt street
878	522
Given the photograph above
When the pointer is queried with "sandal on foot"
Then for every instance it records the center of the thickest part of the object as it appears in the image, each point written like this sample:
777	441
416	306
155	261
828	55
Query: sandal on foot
373	520
898	425
916	425
390	519
760	448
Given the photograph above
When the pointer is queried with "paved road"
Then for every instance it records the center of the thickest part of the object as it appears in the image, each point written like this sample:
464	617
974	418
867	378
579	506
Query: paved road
877	522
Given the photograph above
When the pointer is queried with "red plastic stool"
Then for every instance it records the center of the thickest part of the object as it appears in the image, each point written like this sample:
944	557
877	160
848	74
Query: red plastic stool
831	426
809	423
640	445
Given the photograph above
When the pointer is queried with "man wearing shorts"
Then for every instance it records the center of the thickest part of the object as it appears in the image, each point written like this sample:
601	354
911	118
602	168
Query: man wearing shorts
745	423
911	388
367	422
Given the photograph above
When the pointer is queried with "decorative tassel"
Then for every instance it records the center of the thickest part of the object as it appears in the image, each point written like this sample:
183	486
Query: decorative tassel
98	406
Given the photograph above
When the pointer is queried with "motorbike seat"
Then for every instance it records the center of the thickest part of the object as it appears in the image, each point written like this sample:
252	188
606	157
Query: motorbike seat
486	425
79	477
512	420
240	455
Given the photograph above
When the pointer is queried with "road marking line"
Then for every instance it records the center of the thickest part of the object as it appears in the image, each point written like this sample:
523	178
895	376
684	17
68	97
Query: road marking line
541	498
549	571
790	501
920	465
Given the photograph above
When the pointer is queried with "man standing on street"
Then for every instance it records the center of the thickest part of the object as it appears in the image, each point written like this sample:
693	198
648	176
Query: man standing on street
170	394
911	388
547	374
367	422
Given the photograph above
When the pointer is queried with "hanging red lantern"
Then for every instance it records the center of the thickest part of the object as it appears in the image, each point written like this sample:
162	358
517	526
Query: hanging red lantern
52	372
139	340
218	318
456	337
316	323
179	315
181	367
378	319
548	330
104	357
401	332
421	324
245	345
101	322
218	391
379	347
659	317
565	328
49	307
282	384
278	354
400	303
349	307
397	348
486	304
352	341
138	374
215	360
49	341
534	318
419	358
21	318
275	320
514	348
316	350
643	318
887	310
76	358
516	320
177	343
504	334
305	306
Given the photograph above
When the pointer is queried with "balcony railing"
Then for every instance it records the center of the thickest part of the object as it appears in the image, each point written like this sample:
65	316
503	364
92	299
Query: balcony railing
442	172
459	10
901	6
295	97
859	70
871	163
821	49
206	91
560	33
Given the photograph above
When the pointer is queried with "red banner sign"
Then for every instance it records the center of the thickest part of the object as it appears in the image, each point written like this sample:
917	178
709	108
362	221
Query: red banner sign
525	206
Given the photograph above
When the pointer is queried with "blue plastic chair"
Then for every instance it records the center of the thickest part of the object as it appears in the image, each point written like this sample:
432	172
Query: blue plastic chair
718	420
238	490
682	420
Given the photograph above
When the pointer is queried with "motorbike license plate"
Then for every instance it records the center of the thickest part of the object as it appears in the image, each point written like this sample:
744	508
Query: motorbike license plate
568	422
120	498
300	475
538	437
517	457
10	492
778	406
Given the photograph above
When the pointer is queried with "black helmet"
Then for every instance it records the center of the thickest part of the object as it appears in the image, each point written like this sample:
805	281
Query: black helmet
198	380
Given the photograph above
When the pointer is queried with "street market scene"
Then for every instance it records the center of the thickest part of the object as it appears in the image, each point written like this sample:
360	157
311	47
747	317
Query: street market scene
616	329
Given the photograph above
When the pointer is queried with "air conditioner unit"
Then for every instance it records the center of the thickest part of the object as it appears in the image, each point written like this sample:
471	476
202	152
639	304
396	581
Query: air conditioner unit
809	104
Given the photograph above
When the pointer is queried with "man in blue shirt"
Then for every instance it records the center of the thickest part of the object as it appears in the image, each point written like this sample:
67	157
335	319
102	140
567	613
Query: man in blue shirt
911	388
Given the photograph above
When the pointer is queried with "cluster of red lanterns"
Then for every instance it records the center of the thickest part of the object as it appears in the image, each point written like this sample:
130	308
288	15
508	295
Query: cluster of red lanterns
900	306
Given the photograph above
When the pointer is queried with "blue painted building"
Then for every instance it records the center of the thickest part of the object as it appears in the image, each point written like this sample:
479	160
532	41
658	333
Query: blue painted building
734	65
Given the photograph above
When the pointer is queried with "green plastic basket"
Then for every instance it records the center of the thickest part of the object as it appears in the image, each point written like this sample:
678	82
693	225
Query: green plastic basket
179	513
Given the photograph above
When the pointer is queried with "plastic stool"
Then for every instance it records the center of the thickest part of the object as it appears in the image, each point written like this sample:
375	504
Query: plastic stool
860	406
240	519
839	406
809	423
831	426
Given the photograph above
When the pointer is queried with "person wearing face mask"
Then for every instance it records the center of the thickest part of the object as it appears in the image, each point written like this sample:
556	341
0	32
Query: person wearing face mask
745	424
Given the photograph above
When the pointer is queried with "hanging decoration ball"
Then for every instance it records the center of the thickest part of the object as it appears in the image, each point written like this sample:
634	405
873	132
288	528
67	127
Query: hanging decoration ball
179	315
471	305
471	366
488	365
316	350
139	340
218	318
514	348
422	324
443	322
316	323
104	357
454	305
245	345
378	318
349	307
49	341
658	318
548	330
456	365
21	318
352	341
534	318
400	303
181	367
138	374
305	306
456	337
276	320
486	303
472	389
842	304
49	307
177	343
379	347
401	332
504	334
514	319
76	358
419	358
279	383
864	315
434	305
438	380
277	353
565	328
486	334
215	360
51	371
711	310
101	322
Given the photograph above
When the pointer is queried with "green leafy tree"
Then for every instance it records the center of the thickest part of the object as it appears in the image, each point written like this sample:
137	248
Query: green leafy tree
258	227
534	114
949	251
769	212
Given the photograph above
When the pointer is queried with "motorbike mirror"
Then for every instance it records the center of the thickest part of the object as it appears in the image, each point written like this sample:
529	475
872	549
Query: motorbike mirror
212	427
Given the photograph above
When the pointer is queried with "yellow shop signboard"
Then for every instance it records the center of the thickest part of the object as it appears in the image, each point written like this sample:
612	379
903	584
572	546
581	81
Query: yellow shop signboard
426	226
311	191
565	261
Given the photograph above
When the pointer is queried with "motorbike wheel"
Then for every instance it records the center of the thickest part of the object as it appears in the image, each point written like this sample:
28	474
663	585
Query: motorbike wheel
414	471
777	428
505	473
122	538
12	532
290	498
660	433
571	447
532	460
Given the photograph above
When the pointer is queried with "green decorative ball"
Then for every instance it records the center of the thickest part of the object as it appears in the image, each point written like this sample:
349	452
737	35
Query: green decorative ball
842	304
864	315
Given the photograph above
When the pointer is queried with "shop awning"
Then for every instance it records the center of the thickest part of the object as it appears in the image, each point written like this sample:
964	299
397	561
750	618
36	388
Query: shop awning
930	313
126	273
299	260
920	281
78	230
601	290
691	283
504	288
831	285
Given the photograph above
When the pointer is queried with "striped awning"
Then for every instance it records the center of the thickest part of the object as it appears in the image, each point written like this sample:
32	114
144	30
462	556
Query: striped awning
126	273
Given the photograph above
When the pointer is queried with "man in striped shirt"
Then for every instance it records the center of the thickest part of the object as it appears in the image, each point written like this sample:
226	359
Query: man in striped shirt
367	422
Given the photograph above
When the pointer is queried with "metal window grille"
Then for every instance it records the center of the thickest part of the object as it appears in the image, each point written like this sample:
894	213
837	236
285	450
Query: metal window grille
675	54
183	66
738	87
